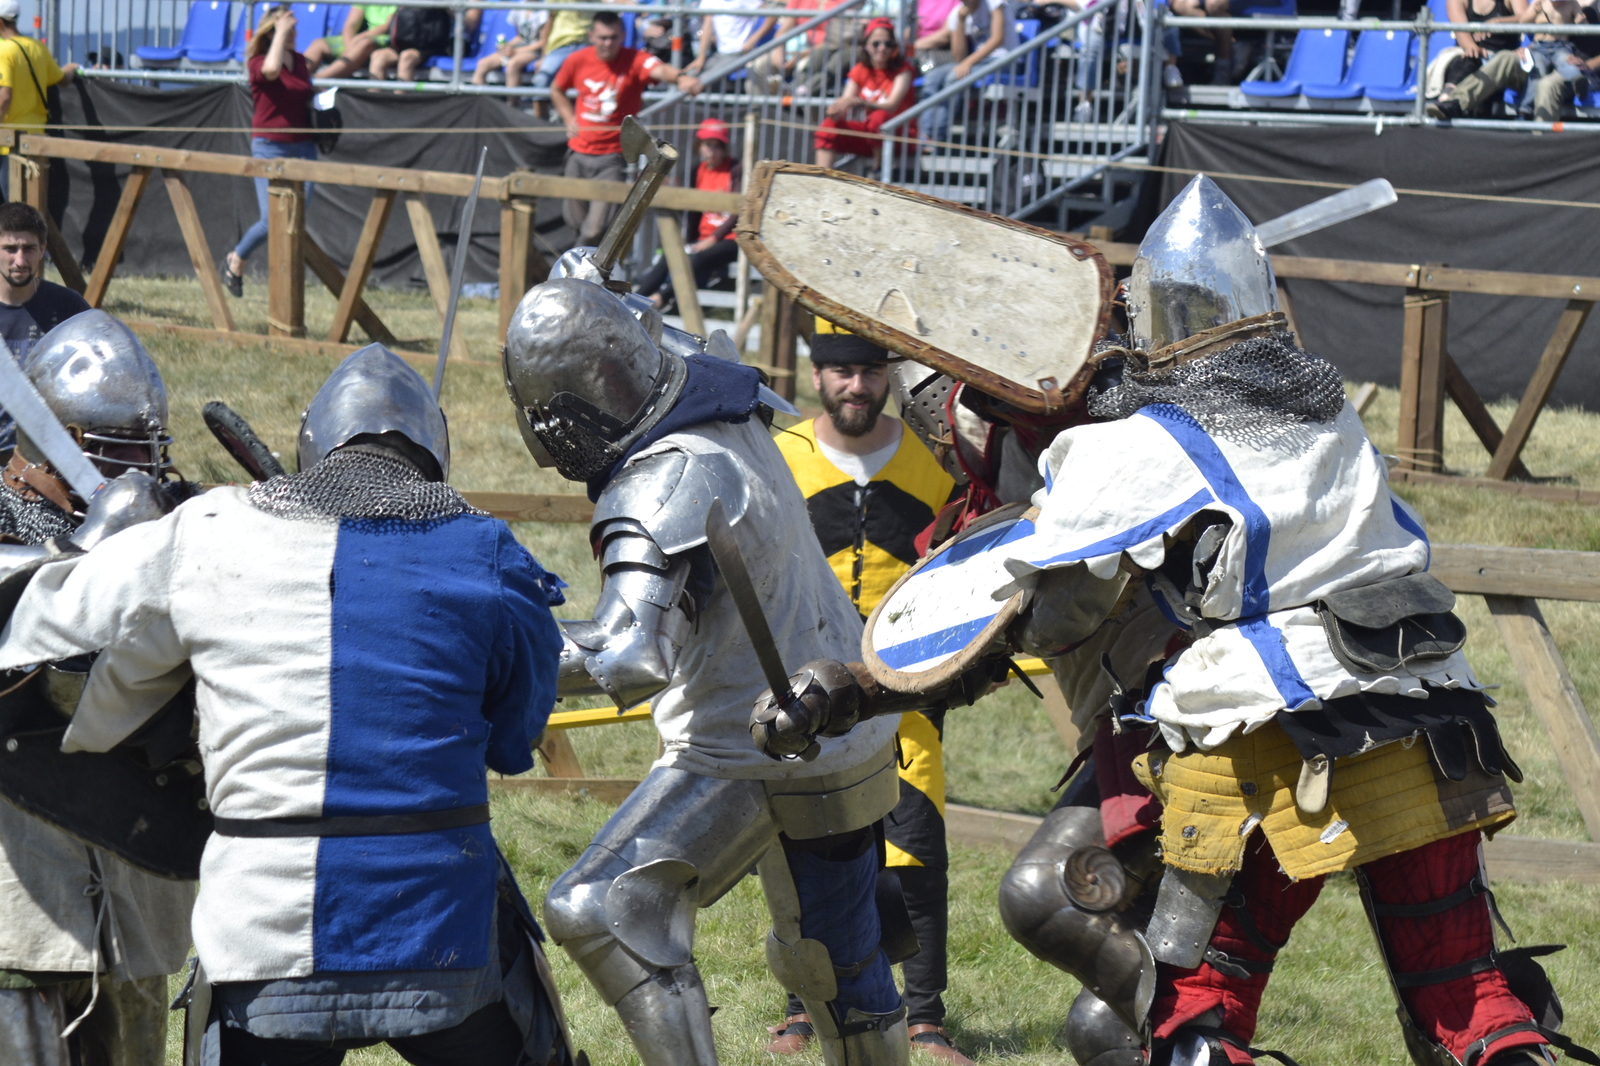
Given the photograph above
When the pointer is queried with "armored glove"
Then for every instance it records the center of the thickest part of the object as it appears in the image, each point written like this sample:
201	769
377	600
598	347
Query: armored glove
826	698
128	500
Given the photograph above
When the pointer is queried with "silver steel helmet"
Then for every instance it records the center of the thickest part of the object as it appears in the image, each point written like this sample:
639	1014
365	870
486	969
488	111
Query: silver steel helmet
105	389
374	391
585	376
577	262
1200	265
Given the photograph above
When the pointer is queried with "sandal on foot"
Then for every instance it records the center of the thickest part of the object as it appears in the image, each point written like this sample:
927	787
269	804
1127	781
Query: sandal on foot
792	1036
234	283
936	1041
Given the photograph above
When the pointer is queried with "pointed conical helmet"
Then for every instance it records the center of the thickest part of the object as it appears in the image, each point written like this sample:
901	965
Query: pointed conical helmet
1200	265
373	391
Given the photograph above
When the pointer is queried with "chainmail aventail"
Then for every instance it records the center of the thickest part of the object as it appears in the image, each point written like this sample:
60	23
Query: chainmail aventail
359	484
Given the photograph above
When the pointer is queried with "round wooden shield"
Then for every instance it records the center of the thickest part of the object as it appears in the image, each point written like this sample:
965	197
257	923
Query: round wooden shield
940	618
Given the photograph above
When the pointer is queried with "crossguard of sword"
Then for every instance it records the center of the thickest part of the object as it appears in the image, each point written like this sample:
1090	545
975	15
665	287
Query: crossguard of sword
824	699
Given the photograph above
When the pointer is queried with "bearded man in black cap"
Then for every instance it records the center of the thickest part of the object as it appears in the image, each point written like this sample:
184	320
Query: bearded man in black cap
871	488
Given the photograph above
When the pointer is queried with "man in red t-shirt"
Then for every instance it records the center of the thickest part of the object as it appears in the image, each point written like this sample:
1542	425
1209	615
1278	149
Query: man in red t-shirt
714	247
610	81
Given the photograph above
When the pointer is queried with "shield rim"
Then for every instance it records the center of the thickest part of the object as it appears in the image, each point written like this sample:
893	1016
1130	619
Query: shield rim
1036	401
958	663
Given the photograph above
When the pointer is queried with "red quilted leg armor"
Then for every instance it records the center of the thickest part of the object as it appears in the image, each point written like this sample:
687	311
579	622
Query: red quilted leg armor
1457	1012
1127	808
1274	903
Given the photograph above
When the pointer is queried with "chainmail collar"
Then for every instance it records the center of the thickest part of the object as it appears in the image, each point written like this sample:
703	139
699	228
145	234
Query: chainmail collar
1247	391
32	520
359	484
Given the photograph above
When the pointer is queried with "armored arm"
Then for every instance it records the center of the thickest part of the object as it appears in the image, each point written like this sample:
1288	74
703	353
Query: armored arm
647	524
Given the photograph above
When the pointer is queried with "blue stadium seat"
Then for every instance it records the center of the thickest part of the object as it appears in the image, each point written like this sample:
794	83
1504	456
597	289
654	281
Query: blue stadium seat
1380	62
205	30
1407	92
337	14
1316	59
495	23
234	49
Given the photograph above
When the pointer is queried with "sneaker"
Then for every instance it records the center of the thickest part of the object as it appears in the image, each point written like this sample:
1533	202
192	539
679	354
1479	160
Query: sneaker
1084	112
1446	109
1173	77
792	1037
936	1041
234	283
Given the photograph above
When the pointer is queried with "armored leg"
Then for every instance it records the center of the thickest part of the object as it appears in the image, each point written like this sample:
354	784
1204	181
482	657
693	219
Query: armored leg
625	912
824	948
1060	900
1459	1001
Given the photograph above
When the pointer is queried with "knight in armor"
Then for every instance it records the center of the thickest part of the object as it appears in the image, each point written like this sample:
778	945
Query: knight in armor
661	427
1239	612
364	644
72	911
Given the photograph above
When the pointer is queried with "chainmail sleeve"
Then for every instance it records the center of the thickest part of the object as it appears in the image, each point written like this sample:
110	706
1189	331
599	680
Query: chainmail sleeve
32	521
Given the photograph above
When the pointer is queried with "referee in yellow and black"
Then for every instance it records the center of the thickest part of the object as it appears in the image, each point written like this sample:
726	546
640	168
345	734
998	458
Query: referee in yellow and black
871	486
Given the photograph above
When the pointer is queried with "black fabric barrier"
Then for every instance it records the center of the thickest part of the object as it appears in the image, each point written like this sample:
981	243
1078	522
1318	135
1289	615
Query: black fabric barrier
1496	341
335	213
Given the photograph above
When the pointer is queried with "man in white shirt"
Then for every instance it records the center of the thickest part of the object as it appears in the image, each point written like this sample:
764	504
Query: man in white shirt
732	35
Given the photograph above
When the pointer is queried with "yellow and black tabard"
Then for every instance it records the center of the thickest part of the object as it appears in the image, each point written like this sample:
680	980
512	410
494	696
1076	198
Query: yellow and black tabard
868	532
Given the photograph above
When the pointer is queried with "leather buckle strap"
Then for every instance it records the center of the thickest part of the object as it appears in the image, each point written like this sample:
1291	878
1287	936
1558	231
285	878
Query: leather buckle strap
854	970
1216	1037
1475	887
1571	1048
1490	961
356	825
1244	969
1247	924
880	1024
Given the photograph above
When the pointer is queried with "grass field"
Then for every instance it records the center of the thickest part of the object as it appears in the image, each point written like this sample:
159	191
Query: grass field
1328	1005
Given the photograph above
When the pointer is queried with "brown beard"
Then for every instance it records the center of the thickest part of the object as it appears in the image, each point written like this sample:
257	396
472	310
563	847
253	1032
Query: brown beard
850	423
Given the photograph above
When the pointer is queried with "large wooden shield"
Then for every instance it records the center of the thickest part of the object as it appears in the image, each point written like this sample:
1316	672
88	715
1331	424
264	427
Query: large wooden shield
1009	308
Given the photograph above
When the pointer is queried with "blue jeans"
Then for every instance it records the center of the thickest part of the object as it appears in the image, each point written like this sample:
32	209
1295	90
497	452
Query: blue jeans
551	63
935	122
261	148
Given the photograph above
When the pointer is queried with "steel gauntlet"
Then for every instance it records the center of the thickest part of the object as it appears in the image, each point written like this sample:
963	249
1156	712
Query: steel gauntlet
826	698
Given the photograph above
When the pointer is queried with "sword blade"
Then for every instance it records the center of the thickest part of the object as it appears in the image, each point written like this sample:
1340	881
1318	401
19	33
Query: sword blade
1328	211
34	417
458	272
730	560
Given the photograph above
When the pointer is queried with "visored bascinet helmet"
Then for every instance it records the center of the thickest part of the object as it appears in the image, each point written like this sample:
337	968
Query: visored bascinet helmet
585	377
1201	265
105	389
374	391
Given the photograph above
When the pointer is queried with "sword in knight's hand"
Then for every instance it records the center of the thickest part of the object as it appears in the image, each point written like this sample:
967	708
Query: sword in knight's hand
458	273
34	417
730	561
1330	210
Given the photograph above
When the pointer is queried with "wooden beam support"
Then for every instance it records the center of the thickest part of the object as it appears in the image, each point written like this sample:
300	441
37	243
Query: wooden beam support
560	760
681	272
1527	490
328	272
523	507
1555	699
1507	457
433	267
105	264
361	263
1538	573
194	236
521	265
1422	355
286	270
1475	411
62	257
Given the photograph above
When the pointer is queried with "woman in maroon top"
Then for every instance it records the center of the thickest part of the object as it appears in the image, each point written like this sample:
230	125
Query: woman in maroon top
280	83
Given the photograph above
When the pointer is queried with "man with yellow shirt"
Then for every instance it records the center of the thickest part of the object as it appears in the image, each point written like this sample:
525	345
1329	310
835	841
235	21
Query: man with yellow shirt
870	488
26	73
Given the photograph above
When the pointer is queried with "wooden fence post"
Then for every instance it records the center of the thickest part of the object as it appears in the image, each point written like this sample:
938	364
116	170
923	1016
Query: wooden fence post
1422	380
682	274
1555	699
286	267
30	184
194	236
433	267
1507	457
355	280
116	235
560	760
521	265
777	351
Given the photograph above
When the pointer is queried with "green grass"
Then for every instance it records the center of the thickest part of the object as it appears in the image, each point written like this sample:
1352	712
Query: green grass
1328	1005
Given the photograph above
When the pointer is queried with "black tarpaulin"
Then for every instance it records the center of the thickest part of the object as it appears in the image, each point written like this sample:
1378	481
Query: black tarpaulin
200	119
1496	341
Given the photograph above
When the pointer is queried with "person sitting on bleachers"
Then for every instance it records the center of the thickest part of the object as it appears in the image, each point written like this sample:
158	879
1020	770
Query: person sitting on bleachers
1558	68
714	247
972	31
420	33
515	55
878	89
1479	48
366	29
1224	70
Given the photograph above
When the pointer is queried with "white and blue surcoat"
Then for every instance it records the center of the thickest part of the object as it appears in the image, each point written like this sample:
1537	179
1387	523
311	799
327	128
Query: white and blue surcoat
343	668
1311	513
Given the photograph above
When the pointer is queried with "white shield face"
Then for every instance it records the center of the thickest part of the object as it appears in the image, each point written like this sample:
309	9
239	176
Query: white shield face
1009	308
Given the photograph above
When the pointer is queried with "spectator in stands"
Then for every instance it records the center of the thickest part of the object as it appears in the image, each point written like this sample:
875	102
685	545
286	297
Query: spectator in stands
610	81
731	35
515	55
878	89
280	84
27	71
809	69
714	247
1478	48
971	33
420	33
1558	67
367	28
655	34
1223	71
30	306
564	34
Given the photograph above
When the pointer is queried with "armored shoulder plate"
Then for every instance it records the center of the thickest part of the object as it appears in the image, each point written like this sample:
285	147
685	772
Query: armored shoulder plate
670	494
